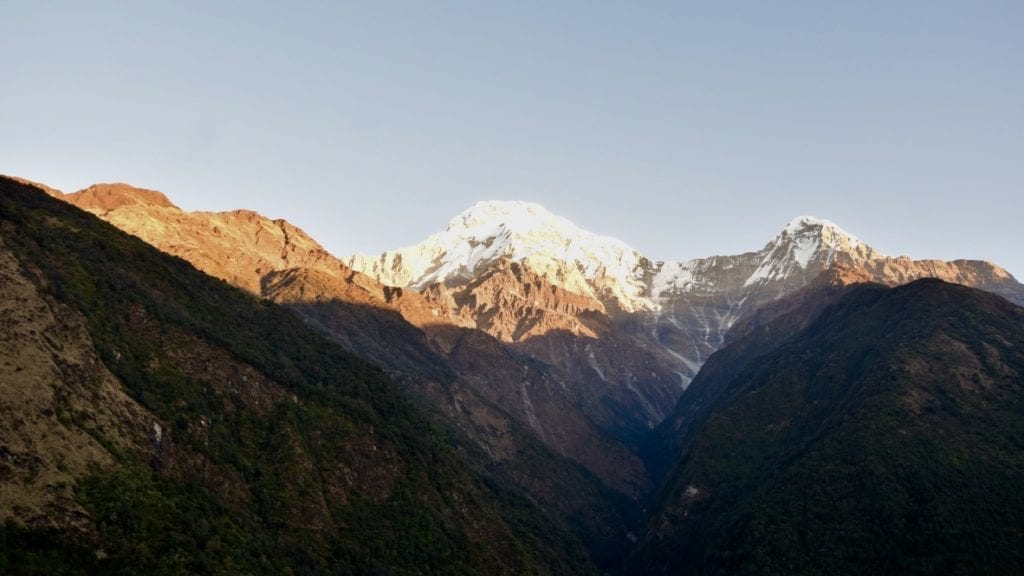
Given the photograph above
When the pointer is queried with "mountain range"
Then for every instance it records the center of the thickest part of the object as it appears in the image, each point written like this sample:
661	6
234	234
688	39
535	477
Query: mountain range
572	371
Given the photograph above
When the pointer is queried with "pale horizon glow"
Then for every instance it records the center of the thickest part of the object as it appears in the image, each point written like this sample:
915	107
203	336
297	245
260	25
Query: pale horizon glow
684	131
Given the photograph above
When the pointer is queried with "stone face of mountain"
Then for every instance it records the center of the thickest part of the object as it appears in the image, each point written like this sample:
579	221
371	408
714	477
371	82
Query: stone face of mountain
863	429
159	421
513	303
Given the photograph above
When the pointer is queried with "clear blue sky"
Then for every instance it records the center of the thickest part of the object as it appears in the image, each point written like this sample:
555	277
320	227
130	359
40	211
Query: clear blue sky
684	129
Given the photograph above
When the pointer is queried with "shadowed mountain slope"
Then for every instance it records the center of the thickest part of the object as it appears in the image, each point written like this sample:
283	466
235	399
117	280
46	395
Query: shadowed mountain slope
882	433
157	420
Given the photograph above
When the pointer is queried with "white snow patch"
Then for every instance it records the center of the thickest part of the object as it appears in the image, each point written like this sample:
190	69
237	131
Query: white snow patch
672	277
804	249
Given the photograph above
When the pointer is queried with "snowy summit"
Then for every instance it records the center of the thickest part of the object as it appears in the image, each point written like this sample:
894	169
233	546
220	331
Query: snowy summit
552	246
600	266
806	240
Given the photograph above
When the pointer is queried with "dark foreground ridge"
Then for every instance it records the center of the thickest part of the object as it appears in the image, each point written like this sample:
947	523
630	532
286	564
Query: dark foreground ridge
885	437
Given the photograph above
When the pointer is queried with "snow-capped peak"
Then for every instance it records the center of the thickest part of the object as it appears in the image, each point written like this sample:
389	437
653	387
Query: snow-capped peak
600	266
552	246
808	240
508	213
810	224
518	230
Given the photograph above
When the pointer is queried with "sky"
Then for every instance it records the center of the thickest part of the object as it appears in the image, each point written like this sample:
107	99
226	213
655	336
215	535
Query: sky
685	129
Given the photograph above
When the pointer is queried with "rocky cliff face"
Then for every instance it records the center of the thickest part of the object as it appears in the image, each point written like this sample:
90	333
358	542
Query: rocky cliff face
239	246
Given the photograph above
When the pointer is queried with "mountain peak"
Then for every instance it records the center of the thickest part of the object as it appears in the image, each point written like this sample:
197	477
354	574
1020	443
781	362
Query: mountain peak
806	246
508	212
812	225
575	259
524	226
807	221
116	195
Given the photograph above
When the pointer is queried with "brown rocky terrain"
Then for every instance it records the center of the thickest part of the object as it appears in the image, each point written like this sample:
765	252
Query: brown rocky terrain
240	247
513	303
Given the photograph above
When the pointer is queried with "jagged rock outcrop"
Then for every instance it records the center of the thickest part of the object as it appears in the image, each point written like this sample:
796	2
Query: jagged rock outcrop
513	303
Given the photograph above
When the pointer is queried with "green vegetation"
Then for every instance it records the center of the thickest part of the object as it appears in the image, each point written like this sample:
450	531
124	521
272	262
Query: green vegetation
323	469
886	438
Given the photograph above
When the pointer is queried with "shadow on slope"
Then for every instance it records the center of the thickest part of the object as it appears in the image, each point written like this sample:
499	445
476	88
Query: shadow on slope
885	436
